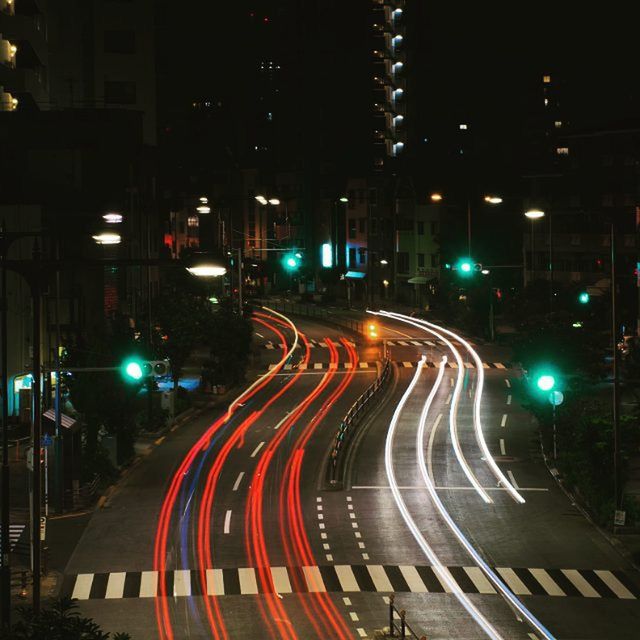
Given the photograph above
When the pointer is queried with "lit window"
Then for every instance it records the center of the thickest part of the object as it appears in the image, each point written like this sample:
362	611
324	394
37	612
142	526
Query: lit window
558	124
192	221
562	151
546	79
463	127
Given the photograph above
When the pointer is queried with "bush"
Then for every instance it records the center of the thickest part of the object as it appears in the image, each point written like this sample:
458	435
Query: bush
59	622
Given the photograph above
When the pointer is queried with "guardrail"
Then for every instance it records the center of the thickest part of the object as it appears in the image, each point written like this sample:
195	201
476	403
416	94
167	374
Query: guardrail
310	311
351	420
398	623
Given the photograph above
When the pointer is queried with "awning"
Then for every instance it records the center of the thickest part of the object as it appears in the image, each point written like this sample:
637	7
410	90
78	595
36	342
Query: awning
356	275
65	420
417	280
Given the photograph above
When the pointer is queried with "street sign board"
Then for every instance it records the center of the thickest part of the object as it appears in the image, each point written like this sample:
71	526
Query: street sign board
47	440
43	528
619	518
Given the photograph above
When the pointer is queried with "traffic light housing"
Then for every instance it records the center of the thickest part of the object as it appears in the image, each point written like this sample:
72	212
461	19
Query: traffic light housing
584	297
292	261
373	332
136	369
467	267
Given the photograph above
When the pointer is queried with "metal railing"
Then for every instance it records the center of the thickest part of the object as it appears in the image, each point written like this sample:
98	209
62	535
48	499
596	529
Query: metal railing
398	625
351	420
311	311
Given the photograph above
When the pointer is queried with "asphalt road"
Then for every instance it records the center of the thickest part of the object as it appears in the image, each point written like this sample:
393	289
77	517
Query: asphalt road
114	568
250	524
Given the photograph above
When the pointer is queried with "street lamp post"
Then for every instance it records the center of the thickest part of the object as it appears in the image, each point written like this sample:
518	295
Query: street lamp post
533	215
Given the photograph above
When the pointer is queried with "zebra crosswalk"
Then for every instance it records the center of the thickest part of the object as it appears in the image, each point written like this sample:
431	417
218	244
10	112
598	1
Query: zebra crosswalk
403	364
15	531
323	366
585	583
313	344
420	343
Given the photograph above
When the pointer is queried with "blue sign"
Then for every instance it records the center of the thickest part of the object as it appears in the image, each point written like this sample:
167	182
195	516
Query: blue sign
47	440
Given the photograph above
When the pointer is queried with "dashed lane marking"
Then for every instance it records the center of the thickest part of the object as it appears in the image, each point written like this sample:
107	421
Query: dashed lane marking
227	521
255	451
236	484
503	451
503	422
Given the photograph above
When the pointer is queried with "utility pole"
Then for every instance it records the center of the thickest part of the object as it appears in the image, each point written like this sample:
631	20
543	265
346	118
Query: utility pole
239	250
5	578
616	380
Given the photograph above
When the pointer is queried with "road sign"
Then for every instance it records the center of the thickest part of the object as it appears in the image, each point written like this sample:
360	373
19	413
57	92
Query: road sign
43	528
619	518
556	398
47	440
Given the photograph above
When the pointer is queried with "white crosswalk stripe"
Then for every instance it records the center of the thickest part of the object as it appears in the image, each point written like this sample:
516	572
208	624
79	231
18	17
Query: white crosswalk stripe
598	583
15	531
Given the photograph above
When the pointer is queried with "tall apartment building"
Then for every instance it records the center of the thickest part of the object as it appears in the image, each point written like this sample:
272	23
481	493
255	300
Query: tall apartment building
389	80
24	81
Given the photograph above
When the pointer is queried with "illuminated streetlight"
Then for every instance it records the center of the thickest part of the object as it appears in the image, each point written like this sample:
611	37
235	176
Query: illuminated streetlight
384	262
207	271
493	199
107	237
203	208
204	200
534	214
436	197
112	218
274	201
261	199
344	199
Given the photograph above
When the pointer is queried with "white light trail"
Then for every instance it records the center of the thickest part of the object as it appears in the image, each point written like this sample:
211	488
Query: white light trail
491	575
438	567
453	412
477	422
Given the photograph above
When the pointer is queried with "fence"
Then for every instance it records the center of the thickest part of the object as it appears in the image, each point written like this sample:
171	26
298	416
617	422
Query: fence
311	311
83	496
398	623
350	422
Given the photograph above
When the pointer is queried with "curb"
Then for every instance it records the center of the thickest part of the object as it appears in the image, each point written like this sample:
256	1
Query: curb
618	546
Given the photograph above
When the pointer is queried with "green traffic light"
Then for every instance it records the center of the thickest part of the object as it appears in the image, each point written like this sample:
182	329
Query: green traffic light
133	370
291	262
465	267
546	382
584	298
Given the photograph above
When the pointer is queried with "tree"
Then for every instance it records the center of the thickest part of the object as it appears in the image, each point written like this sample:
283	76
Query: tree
59	622
103	398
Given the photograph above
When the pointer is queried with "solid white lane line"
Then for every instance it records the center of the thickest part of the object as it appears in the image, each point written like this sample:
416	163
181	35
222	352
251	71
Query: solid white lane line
238	481
580	583
255	451
432	437
149	584
509	399
282	421
508	383
502	447
503	422
227	521
442	488
513	480
281	582
614	584
82	587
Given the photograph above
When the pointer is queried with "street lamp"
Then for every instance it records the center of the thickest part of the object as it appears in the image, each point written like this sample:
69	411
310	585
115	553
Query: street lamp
262	200
112	218
344	199
206	267
274	201
203	209
436	197
107	237
493	199
533	215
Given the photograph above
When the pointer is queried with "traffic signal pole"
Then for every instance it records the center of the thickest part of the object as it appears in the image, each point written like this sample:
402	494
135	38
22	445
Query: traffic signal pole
616	376
5	578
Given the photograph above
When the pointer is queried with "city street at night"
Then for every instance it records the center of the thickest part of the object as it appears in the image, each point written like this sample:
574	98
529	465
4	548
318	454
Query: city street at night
318	320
